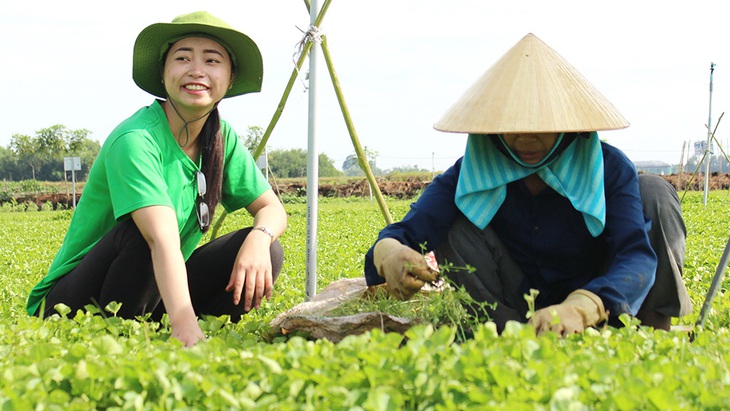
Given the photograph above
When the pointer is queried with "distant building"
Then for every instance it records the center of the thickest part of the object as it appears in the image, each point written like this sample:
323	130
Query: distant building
653	167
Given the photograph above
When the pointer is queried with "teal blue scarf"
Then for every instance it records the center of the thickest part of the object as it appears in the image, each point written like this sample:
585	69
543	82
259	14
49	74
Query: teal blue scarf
576	174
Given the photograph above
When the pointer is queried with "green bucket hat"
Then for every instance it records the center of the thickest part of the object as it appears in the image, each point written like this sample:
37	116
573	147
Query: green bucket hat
156	39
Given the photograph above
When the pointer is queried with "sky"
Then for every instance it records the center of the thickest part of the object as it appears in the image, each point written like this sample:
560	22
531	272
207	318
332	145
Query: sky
400	63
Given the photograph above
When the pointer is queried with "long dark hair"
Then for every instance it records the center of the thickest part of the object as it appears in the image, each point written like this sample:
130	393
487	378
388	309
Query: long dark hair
211	155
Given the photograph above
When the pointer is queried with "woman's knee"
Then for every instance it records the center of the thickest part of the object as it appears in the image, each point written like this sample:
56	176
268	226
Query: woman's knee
277	259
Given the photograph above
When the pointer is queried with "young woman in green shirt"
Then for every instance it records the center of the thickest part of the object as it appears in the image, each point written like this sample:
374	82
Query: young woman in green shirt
155	185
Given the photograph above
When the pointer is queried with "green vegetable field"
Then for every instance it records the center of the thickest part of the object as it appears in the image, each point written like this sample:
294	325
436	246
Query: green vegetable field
86	361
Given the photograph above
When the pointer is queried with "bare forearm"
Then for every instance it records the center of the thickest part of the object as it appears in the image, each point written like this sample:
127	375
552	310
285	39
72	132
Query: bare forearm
171	277
252	278
273	218
159	228
267	211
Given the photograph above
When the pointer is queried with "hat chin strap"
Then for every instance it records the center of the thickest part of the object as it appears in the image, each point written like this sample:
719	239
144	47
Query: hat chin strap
186	122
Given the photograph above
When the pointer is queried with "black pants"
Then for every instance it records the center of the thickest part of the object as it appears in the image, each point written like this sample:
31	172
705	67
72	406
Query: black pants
119	268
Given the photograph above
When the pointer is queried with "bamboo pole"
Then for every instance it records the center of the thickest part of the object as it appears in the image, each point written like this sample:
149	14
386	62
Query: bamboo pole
364	164
692	178
292	78
715	284
361	156
681	166
716	140
280	108
707	150
709	141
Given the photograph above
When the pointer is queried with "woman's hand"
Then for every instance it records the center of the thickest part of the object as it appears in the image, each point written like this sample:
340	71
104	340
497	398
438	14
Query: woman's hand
188	332
580	310
404	269
158	225
251	279
562	319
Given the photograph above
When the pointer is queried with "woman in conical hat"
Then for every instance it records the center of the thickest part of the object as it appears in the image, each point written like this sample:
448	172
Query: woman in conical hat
539	202
155	185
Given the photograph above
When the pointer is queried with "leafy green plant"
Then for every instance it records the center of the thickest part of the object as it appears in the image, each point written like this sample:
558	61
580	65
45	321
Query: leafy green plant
85	360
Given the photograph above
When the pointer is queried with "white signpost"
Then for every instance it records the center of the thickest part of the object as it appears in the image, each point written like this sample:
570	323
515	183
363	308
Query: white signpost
263	163
72	164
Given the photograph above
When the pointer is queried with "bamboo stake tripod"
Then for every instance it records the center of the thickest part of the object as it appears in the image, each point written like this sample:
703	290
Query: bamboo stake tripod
311	37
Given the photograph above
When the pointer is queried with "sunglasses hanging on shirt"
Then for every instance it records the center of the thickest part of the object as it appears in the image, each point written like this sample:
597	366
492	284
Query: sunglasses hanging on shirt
202	209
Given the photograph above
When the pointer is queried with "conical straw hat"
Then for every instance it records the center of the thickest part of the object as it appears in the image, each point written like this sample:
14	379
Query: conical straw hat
531	89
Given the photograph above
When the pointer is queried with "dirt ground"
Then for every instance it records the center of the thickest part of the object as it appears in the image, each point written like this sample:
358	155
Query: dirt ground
406	188
717	181
402	189
411	188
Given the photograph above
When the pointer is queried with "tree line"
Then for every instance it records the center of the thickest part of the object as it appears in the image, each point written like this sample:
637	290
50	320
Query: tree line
292	163
41	157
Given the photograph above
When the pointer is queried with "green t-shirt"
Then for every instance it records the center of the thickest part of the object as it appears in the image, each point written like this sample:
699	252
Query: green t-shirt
140	164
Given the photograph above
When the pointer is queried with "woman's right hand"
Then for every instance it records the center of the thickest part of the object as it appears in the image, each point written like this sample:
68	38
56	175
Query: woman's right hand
404	269
188	332
158	225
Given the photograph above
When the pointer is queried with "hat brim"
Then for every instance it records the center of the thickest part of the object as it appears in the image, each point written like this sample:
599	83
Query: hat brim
154	40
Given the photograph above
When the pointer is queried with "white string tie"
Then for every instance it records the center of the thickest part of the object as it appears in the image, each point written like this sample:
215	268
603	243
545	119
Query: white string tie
314	35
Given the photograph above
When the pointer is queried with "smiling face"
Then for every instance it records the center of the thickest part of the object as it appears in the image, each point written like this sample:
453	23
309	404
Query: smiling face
197	74
531	147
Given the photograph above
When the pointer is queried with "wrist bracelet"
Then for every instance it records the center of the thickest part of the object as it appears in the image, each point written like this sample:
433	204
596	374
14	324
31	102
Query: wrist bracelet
265	230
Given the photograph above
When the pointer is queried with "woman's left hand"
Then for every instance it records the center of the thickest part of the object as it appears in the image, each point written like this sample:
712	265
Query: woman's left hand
580	310
562	319
251	278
